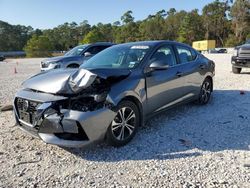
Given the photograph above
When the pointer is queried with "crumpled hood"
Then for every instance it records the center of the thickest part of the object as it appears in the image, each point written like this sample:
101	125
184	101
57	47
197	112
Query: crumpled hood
61	81
50	82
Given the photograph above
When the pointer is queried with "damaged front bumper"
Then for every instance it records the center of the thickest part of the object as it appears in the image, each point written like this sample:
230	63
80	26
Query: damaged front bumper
36	113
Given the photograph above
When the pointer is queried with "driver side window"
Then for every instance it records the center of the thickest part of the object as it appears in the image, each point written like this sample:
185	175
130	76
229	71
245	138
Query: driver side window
165	54
95	49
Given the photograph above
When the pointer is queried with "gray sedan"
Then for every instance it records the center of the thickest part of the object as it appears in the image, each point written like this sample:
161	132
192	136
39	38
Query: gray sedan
74	57
113	93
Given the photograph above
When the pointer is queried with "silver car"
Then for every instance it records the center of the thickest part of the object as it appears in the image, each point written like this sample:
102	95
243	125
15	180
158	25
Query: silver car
74	57
113	93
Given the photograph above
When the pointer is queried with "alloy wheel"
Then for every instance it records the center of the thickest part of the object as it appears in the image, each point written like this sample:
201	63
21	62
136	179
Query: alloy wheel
124	123
206	92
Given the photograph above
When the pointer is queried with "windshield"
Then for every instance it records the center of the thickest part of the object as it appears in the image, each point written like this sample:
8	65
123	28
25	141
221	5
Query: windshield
120	56
76	51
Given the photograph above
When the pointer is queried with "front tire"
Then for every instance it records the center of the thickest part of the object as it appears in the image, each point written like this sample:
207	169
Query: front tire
205	92
125	124
236	70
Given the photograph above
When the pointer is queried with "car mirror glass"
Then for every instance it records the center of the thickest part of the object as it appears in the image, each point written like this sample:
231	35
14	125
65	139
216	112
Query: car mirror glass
87	54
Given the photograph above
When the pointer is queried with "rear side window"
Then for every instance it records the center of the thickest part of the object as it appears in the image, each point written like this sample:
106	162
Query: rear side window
185	54
194	54
96	49
166	54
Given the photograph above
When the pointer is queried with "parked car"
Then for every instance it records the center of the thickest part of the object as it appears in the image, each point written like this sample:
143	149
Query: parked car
74	57
222	51
2	58
241	57
113	93
212	51
217	51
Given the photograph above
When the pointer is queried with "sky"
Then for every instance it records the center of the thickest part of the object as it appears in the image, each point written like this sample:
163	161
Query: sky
45	14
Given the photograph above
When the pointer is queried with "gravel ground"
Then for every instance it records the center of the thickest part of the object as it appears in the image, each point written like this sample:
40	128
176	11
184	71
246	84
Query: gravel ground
189	146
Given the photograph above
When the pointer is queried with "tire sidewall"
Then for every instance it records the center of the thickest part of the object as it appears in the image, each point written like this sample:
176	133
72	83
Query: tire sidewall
236	70
200	95
110	138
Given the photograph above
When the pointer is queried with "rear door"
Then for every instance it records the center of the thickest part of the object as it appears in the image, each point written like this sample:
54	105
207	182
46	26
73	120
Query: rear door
163	86
189	68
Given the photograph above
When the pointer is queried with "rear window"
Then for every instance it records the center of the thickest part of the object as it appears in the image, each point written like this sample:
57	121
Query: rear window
186	54
166	54
96	49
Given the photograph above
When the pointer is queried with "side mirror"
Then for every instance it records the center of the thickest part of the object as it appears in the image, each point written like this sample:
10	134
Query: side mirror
87	54
158	65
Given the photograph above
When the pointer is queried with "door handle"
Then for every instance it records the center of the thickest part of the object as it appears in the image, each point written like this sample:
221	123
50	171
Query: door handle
179	74
202	67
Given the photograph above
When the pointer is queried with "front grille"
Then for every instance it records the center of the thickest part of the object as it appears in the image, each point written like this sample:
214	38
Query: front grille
44	64
244	52
26	110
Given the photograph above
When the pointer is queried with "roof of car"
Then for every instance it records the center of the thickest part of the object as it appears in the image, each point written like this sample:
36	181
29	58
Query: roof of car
154	42
148	43
102	43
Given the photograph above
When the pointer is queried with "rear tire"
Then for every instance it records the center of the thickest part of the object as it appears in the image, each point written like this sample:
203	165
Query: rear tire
205	92
125	124
236	70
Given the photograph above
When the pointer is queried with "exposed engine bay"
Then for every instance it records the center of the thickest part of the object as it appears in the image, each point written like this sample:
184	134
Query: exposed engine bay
90	99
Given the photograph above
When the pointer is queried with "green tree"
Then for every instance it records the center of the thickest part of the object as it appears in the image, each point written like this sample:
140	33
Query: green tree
129	31
215	21
240	13
67	35
13	37
106	31
93	36
231	41
173	23
127	17
83	29
248	36
153	27
38	46
191	28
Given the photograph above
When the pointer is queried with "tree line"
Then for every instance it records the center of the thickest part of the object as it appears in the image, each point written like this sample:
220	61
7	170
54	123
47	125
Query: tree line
226	21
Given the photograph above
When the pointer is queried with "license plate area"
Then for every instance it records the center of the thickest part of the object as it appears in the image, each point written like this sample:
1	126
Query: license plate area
26	117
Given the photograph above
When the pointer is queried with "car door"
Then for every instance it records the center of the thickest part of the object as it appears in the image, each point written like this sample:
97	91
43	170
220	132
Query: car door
163	87
189	68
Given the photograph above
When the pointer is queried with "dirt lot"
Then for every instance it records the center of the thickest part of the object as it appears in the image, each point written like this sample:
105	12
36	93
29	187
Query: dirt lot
190	146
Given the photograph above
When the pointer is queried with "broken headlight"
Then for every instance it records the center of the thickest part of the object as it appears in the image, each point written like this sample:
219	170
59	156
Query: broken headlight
100	97
89	103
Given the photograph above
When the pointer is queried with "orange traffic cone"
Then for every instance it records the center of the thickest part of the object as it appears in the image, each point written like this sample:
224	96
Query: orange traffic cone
15	71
